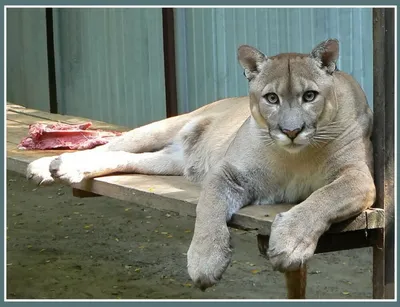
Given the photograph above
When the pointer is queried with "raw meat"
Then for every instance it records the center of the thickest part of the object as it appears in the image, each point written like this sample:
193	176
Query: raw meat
65	136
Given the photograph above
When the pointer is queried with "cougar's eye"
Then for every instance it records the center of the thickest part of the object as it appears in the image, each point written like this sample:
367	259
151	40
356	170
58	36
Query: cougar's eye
272	98
309	96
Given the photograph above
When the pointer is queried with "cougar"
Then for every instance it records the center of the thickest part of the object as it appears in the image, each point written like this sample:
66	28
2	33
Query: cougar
301	136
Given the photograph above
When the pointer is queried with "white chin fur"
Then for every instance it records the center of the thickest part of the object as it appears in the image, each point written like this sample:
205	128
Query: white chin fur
293	148
282	140
299	143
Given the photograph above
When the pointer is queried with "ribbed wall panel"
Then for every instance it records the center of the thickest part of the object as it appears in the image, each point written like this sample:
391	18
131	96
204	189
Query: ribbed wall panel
207	40
110	64
27	74
110	61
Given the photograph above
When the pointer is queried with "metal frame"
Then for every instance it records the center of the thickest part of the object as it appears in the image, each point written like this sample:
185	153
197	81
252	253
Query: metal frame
383	141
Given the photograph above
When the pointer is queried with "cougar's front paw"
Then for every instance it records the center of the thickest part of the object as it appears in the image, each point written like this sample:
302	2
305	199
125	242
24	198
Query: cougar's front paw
294	237
208	257
68	168
38	171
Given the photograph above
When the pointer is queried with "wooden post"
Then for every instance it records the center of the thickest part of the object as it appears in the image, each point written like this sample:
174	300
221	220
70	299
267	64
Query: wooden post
296	283
383	140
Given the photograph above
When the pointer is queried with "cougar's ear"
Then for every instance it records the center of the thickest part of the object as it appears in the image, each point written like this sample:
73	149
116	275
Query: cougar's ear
326	54
250	59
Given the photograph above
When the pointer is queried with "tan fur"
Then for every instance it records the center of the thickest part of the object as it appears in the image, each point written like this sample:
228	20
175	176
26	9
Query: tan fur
241	155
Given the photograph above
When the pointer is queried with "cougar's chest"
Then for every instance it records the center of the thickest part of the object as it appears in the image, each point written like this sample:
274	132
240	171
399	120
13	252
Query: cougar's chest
299	177
298	187
291	187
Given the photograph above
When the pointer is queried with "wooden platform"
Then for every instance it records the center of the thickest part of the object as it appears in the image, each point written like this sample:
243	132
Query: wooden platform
171	193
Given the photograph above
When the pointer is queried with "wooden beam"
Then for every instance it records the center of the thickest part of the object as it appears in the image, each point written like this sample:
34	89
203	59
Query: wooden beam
383	140
332	242
175	193
83	194
161	192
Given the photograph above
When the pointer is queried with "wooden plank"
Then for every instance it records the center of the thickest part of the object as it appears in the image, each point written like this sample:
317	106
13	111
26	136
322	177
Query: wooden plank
16	132
18	124
369	219
172	193
175	193
26	119
40	115
383	141
15	164
18	160
261	218
17	127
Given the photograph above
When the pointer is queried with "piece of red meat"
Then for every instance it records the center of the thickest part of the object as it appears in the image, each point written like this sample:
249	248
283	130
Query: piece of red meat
65	136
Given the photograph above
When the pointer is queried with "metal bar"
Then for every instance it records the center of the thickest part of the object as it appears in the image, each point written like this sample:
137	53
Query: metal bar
383	141
169	62
51	61
389	155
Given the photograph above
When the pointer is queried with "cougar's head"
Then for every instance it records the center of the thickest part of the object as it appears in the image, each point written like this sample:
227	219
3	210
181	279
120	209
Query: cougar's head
291	93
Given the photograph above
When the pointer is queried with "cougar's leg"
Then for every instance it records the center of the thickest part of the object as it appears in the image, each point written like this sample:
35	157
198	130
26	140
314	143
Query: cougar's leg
74	167
148	138
296	282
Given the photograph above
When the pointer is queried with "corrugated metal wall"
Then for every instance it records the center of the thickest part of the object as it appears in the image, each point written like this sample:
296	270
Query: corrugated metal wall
110	61
207	40
110	64
27	75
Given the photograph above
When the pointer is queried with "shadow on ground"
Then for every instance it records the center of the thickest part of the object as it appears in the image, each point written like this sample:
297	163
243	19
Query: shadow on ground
63	247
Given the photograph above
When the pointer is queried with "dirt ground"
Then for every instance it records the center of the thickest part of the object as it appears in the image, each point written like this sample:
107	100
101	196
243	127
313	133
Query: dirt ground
63	247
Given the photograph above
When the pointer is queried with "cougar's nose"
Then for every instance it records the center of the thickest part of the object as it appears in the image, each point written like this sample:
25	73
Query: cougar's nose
292	133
